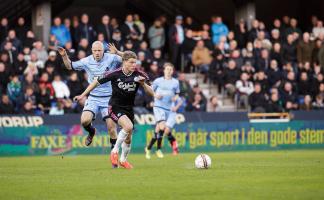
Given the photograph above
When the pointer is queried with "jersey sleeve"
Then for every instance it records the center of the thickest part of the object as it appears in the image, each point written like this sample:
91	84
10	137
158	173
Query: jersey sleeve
177	87
108	76
116	63
147	79
79	65
155	84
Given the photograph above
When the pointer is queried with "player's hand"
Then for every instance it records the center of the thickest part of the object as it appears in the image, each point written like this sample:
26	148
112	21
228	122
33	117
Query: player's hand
112	48
140	79
77	98
158	96
174	109
61	51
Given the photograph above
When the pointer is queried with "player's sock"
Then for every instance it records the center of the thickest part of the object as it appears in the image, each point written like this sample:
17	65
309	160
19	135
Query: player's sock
112	143
89	128
159	140
152	142
171	138
120	139
125	151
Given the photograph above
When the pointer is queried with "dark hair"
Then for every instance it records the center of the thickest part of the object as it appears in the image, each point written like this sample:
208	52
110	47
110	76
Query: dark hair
128	55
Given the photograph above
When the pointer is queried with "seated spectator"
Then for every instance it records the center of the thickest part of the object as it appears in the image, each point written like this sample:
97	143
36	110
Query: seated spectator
6	106
154	71
307	104
263	62
20	64
157	56
216	70
74	85
52	43
213	104
244	88
258	100
274	105
60	88
10	50
201	58
43	99
52	60
21	29
261	78
274	74
129	27
29	95
319	29
84	46
29	82
30	39
4	77
39	64
318	104
198	104
156	35
289	97
304	85
28	108
16	43
185	88
58	109
31	69
14	91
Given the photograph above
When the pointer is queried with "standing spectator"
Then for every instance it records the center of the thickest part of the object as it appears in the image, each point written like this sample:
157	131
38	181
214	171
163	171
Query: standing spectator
218	29
60	88
304	50
40	51
4	77
253	33
61	33
105	28
289	52
85	30
263	62
241	34
176	38
188	46
6	106
140	25
3	29
231	75
276	54
129	27
74	85
156	35
114	24
14	40
293	28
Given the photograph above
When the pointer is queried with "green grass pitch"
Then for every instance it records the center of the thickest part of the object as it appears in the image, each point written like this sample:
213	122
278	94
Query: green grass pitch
239	175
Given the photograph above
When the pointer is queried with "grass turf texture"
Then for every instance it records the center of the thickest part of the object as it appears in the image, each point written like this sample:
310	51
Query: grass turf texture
240	175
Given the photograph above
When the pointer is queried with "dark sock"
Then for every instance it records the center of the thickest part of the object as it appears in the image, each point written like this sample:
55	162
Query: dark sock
171	138
159	140
90	129
112	143
152	142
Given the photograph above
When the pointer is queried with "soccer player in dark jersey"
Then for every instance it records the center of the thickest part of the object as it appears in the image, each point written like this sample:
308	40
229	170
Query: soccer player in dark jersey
125	82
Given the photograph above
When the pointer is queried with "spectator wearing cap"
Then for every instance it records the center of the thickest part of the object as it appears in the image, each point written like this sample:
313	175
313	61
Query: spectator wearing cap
218	29
156	35
61	33
85	30
176	38
105	28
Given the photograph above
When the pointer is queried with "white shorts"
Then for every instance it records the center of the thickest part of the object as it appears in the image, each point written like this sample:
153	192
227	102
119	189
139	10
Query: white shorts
168	116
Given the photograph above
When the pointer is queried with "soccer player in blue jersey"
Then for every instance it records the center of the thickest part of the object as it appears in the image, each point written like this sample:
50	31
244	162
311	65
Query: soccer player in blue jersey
166	103
95	66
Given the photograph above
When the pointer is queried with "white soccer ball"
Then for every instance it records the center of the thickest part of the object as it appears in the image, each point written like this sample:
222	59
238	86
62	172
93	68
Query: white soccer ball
203	161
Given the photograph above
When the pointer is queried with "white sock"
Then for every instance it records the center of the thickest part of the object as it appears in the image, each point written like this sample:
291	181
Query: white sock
120	139
125	151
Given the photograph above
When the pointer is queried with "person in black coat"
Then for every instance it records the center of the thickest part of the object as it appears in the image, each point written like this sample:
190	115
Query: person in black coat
105	28
129	27
257	100
274	105
85	30
274	74
6	106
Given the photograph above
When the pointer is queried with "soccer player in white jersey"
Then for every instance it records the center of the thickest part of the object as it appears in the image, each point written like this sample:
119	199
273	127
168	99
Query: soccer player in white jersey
95	66
166	103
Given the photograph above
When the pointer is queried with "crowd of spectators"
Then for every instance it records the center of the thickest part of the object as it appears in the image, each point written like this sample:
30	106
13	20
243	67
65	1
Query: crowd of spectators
272	68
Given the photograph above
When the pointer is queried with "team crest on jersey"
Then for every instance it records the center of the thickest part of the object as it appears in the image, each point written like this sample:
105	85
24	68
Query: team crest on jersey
127	86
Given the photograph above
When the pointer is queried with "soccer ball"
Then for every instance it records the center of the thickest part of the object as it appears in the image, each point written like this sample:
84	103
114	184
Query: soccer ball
203	161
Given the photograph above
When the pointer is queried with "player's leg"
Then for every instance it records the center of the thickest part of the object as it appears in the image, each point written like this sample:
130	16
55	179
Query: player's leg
90	110
167	132
111	126
159	153
86	122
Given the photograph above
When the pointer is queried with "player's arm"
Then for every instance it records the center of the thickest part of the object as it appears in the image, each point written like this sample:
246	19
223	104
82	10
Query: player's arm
176	107
113	50
66	60
147	88
92	86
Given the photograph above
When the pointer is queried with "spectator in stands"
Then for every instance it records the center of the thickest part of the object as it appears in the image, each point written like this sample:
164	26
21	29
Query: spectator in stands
4	77
16	43
289	51
74	85
216	70
30	40
307	104
207	41
157	56
154	71
218	29
14	91
318	30
60	88
34	64
52	60
29	82
185	88
304	50
84	46
58	109
244	88
61	33
129	27
253	32
274	105
105	28
29	95
263	62
6	106
187	48
315	52
274	74
43	99
3	29
201	58
140	26
261	78
241	31
11	51
40	52
198	104
318	104
304	84
231	75
156	35
28	108
213	104
176	38
258	100
45	82
20	64
293	28
289	97
85	30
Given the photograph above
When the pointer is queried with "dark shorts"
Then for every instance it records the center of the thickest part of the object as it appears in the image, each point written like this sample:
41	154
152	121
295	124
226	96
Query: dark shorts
115	112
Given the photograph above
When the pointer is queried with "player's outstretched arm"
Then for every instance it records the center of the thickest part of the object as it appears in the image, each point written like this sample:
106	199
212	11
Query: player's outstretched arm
92	86
65	57
147	88
113	50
